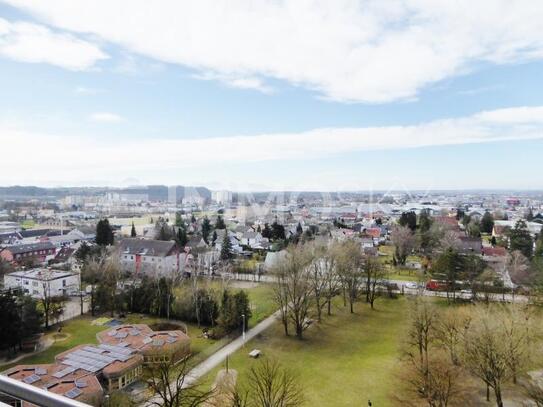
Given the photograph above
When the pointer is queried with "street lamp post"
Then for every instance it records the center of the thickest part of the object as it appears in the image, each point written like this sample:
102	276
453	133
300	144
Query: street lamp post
243	329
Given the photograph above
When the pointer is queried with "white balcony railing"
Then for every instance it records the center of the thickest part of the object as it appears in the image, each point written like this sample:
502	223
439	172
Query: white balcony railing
35	395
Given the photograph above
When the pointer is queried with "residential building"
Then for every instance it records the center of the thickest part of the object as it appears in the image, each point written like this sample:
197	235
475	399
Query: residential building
40	252
149	256
40	282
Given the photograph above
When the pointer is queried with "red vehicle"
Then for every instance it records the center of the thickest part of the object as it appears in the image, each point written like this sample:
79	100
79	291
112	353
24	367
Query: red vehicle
436	285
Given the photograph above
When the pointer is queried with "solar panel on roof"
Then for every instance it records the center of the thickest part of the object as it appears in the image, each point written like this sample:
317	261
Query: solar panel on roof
171	340
93	349
81	384
49	385
73	393
31	379
158	342
40	371
117	349
121	335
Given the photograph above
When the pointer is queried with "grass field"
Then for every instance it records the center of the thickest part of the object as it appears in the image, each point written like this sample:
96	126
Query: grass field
343	361
80	330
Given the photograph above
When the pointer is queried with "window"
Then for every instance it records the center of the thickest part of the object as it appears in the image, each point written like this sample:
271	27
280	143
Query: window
34	283
64	283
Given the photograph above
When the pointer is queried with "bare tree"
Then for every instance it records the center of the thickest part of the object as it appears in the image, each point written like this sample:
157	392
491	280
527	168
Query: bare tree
518	335
323	279
450	330
170	386
375	274
404	242
292	288
485	352
426	372
438	383
449	240
350	269
270	385
518	267
105	271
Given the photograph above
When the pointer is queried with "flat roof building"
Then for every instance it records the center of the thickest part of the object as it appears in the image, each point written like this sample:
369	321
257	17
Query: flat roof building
83	372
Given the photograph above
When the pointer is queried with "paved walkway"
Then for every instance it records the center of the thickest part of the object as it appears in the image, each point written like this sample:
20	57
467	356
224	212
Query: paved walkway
218	357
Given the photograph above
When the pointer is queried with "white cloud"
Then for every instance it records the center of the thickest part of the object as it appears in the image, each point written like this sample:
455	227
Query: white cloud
106	117
35	43
347	50
75	158
237	82
84	90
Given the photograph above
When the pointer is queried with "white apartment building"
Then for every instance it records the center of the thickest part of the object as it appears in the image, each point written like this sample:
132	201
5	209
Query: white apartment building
40	282
221	197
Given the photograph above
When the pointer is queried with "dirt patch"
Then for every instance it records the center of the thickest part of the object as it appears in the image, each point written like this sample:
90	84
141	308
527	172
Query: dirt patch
60	336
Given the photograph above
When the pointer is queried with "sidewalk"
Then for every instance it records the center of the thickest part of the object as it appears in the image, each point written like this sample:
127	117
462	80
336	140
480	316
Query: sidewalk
218	357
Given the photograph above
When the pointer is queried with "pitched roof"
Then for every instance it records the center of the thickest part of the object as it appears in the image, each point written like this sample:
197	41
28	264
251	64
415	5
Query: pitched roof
147	247
25	248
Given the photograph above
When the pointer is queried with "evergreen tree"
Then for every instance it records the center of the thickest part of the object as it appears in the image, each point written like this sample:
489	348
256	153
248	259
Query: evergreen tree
181	237
214	238
425	221
133	231
299	229
226	248
10	322
487	223
235	310
408	219
277	231
31	317
530	215
520	239
179	220
219	224
206	229
243	308
192	219
104	233
448	267
539	246
459	213
267	232
493	241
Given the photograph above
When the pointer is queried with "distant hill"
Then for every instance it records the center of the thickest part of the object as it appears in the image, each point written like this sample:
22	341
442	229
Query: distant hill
154	192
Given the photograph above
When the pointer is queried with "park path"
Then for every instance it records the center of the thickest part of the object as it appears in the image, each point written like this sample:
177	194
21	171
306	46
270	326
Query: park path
218	357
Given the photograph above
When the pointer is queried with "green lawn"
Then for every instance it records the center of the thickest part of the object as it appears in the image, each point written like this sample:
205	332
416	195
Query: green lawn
405	275
262	303
344	361
78	330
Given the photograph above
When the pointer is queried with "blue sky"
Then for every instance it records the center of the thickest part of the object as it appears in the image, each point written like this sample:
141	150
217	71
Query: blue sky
90	101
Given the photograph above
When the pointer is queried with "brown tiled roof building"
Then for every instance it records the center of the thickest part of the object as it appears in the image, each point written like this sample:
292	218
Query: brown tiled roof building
115	362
